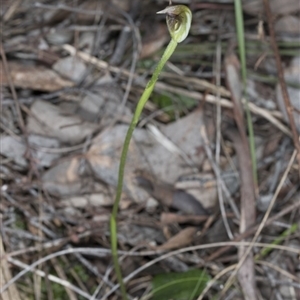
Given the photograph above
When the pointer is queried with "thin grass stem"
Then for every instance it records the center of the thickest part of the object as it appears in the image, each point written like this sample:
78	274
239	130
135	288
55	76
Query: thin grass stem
242	51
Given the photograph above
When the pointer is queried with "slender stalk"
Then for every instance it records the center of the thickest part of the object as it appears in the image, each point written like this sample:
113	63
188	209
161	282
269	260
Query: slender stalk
145	96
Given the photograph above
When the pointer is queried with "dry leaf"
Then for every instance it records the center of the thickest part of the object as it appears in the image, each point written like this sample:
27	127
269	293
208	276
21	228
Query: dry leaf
182	239
71	178
15	149
93	200
63	179
50	120
104	157
33	77
154	41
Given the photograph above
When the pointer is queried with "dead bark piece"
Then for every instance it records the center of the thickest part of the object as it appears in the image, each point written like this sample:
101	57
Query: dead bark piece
234	84
182	239
154	41
246	274
33	77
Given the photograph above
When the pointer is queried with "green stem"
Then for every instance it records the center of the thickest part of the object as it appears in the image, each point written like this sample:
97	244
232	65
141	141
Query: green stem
265	251
241	38
113	219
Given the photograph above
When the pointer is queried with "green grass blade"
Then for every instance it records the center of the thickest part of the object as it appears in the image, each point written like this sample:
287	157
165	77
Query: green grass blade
242	50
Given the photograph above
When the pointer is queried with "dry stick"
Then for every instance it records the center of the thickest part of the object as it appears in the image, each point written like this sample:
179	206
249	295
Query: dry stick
220	188
11	10
218	132
246	274
262	224
282	83
125	33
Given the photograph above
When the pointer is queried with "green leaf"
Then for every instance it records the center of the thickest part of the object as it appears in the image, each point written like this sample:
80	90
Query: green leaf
162	100
187	102
172	103
179	286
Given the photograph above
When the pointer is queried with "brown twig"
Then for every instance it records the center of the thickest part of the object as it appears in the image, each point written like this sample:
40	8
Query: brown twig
281	79
246	274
